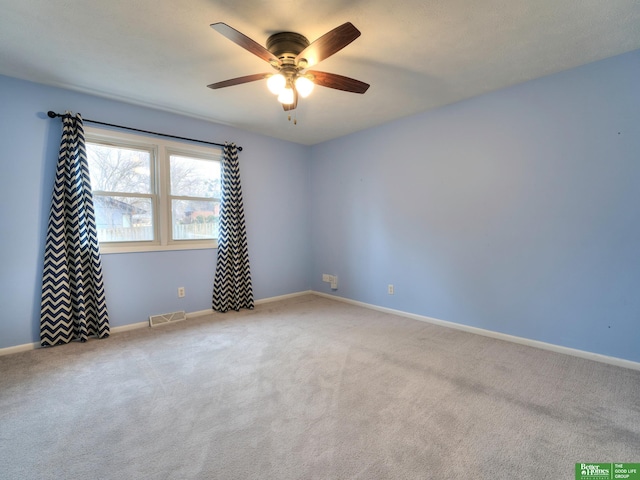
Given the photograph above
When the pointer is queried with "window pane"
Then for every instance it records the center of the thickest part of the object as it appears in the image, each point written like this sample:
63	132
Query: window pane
119	169
123	219
195	220
194	177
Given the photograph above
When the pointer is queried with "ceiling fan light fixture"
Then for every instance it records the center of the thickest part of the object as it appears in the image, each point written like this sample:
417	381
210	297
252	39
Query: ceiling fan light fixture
276	83
304	86
286	96
290	54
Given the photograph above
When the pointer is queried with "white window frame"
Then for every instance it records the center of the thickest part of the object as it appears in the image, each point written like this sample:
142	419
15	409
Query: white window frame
160	149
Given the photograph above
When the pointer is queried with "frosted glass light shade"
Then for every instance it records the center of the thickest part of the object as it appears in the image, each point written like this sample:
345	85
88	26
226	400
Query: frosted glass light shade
304	86
286	96
276	83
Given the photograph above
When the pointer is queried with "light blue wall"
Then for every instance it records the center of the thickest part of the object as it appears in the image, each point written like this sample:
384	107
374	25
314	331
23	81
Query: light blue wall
516	212
275	177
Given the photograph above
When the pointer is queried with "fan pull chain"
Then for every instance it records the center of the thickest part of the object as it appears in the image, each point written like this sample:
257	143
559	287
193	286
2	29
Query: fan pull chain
295	120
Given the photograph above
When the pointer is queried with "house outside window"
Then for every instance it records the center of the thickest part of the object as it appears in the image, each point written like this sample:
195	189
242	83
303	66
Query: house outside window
153	194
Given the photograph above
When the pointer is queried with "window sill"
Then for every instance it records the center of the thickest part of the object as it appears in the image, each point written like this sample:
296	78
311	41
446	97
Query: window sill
108	249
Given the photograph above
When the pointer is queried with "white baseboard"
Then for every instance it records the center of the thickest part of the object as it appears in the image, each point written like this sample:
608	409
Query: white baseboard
130	326
133	326
283	297
19	348
618	362
199	313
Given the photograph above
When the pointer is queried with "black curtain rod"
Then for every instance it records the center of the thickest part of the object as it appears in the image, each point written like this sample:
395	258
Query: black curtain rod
53	114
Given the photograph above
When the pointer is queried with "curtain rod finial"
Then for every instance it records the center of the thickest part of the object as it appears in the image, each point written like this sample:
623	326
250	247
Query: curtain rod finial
52	114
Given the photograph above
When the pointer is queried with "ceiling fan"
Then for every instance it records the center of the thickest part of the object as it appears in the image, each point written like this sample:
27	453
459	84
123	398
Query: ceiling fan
291	54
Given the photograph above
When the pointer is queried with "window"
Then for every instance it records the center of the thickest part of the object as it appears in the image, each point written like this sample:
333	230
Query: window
153	194
194	194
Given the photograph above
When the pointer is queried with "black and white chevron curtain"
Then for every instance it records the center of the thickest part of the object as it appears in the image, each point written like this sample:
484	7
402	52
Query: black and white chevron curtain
232	288
73	300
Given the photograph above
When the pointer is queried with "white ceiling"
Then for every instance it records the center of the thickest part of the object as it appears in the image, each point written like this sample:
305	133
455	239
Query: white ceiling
416	54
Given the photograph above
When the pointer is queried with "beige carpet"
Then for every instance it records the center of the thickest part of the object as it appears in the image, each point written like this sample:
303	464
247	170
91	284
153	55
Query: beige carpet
310	388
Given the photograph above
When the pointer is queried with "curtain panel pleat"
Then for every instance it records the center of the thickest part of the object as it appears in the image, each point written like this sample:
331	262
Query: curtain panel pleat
73	303
232	288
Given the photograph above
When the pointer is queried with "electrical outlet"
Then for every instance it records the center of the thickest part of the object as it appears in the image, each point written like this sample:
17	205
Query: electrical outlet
181	292
390	289
334	282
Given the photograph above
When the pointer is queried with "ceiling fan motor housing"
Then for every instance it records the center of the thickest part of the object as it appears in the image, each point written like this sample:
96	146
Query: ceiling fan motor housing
287	45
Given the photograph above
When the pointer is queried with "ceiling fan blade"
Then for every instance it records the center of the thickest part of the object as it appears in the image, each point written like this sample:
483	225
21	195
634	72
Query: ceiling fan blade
333	80
238	81
291	106
328	44
245	42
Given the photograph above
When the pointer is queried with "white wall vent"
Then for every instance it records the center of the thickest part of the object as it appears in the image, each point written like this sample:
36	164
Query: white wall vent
165	318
